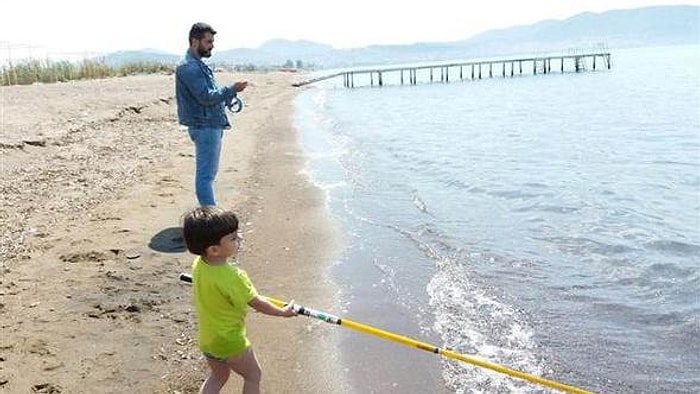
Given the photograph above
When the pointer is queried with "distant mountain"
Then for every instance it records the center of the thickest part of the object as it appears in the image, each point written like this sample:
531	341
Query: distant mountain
277	52
650	26
118	59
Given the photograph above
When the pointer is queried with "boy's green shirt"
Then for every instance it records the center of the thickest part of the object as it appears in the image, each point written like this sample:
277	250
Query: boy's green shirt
221	295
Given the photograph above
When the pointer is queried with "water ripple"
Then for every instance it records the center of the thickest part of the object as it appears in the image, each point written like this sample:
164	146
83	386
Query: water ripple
674	247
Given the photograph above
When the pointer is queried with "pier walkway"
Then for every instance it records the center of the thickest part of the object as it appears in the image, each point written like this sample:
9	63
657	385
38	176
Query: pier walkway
445	72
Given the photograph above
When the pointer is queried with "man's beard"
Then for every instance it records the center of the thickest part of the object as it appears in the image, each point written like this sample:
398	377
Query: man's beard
202	52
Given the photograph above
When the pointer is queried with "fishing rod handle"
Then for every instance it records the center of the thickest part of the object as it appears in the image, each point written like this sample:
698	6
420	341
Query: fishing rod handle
308	312
185	277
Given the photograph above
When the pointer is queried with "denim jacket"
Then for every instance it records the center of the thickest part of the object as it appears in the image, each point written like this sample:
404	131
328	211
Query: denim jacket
200	102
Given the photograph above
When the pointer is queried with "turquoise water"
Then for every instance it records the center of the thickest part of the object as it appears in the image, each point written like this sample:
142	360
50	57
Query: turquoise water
549	223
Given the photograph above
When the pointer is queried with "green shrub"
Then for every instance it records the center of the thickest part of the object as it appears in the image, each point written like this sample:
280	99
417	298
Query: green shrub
32	71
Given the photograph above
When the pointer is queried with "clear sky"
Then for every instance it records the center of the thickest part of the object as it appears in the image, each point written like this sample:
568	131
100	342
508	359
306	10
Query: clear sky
80	28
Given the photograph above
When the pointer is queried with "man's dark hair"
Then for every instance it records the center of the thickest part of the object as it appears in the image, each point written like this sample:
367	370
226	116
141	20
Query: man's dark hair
199	29
205	226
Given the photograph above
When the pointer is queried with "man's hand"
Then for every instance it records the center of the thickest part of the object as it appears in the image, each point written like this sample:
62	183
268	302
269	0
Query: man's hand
240	86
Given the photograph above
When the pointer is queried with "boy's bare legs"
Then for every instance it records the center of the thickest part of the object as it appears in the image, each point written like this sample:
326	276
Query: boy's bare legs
248	367
220	372
245	365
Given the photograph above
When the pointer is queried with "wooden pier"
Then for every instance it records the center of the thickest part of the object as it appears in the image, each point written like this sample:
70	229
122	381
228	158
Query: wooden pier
470	70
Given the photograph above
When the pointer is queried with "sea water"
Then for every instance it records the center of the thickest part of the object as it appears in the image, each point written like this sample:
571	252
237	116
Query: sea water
549	224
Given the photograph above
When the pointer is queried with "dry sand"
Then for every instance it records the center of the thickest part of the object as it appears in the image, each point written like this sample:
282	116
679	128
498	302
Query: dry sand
95	178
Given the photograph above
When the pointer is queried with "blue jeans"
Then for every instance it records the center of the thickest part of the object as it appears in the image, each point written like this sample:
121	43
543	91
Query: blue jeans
207	142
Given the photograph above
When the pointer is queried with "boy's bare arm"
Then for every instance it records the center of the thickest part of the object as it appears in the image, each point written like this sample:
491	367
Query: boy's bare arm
264	306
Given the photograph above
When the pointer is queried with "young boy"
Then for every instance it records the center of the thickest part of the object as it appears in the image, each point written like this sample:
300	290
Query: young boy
222	294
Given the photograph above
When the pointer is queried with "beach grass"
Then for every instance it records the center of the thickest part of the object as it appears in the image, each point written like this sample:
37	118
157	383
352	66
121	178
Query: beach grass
50	71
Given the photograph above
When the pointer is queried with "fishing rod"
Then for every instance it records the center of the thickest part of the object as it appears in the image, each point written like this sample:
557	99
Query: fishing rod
363	328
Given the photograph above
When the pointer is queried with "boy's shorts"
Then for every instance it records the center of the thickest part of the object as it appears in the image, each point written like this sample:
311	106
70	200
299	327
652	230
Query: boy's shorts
214	358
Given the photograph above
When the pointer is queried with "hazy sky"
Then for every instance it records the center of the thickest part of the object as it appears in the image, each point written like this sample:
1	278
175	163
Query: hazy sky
89	27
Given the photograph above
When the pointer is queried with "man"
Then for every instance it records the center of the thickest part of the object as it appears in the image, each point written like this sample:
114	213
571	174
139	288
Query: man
201	107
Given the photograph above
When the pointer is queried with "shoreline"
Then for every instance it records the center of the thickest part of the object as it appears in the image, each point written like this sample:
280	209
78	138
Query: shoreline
290	233
96	179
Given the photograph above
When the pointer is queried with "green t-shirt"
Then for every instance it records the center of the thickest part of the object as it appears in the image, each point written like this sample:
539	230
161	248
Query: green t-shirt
221	296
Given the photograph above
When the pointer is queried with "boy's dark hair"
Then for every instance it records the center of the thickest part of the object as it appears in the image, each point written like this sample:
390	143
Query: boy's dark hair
199	29
205	226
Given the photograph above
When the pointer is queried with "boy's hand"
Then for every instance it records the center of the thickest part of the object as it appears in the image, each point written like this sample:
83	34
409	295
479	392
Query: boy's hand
289	309
263	305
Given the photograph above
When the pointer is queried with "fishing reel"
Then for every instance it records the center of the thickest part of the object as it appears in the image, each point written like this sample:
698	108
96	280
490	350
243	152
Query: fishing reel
236	105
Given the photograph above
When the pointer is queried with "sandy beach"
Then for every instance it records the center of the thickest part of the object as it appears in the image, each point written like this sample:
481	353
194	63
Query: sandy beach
95	178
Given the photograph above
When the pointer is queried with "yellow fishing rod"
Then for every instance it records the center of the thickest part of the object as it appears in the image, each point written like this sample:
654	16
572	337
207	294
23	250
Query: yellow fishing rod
363	328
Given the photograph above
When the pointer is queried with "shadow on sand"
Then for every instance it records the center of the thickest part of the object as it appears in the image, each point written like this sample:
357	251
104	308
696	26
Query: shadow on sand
169	240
